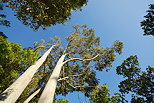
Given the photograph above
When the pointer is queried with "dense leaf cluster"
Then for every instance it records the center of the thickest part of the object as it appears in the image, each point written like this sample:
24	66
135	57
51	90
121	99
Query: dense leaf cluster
13	61
148	24
102	95
139	83
44	13
3	22
2	16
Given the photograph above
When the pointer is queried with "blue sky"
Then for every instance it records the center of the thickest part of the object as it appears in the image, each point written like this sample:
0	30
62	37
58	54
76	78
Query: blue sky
112	20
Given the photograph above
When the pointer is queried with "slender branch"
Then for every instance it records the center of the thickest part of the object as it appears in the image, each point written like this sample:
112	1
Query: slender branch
83	86
69	77
79	86
70	84
43	46
67	47
80	59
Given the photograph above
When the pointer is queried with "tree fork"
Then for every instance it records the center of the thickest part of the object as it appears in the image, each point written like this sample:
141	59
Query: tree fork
12	93
49	90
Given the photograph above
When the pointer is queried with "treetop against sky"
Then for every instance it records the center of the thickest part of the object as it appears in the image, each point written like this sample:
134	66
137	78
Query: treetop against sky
111	20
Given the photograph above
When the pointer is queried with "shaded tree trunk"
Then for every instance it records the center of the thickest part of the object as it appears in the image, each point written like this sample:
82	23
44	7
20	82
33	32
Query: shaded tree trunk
49	90
12	93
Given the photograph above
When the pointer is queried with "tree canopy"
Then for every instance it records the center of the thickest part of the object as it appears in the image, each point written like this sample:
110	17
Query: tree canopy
138	83
148	24
101	94
2	16
84	55
13	61
44	13
3	22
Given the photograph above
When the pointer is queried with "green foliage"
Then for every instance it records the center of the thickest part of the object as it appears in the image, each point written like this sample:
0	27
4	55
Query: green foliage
118	98
129	67
62	101
101	95
117	45
3	35
13	61
139	83
83	54
2	16
81	72
44	13
148	24
3	22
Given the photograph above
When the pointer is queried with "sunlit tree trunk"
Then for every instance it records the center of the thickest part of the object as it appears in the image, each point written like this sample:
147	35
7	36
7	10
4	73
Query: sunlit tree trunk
12	93
49	90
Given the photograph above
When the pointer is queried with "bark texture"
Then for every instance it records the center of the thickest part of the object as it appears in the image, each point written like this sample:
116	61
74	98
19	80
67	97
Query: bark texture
49	90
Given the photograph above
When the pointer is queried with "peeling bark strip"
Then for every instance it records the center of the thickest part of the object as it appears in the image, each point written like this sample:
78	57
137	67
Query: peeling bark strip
49	90
12	93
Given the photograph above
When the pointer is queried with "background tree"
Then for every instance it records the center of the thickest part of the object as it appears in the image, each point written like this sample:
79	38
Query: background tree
101	94
139	83
3	22
148	24
13	61
44	13
2	16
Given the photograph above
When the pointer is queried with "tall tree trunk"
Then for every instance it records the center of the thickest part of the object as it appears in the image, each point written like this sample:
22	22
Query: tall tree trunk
49	90
12	93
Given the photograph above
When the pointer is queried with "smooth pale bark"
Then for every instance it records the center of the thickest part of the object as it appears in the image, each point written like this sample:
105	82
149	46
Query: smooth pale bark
48	93
37	91
12	93
32	95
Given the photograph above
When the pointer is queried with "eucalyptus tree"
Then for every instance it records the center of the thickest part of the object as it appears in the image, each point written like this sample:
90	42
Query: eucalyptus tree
12	93
148	24
74	70
13	61
44	13
138	83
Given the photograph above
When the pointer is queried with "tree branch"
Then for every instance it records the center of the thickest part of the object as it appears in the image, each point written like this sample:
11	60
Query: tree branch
43	46
79	86
39	89
80	59
83	86
69	77
67	47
